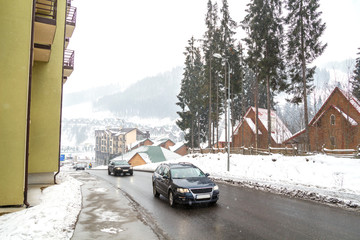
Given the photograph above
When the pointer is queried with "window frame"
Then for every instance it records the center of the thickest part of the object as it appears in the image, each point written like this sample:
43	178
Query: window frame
332	119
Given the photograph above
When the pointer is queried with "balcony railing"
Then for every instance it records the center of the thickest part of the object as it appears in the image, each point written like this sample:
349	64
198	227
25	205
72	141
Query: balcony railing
69	58
46	9
71	16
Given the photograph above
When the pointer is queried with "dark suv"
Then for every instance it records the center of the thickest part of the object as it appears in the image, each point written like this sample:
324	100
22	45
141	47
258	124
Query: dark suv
184	183
118	167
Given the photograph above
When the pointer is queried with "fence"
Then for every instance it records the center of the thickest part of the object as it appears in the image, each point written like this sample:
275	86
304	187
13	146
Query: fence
350	153
247	151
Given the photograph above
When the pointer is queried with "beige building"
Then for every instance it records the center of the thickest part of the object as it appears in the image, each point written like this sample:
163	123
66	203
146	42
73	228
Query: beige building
113	142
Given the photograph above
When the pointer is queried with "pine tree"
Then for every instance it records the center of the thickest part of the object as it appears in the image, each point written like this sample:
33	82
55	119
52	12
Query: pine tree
237	86
263	24
190	100
209	48
355	81
227	51
304	31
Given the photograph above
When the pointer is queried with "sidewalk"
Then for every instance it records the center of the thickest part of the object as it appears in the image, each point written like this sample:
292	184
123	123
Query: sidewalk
106	212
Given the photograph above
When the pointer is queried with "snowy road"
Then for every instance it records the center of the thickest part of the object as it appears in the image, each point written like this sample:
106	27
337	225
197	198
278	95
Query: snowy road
241	213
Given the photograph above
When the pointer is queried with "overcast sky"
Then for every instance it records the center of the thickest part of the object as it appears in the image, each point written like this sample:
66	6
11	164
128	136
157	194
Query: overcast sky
123	41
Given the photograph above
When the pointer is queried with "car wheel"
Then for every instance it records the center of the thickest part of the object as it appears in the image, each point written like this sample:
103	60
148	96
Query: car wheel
109	173
131	174
171	199
155	192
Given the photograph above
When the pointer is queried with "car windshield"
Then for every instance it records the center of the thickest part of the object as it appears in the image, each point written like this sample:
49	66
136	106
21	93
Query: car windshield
188	172
122	162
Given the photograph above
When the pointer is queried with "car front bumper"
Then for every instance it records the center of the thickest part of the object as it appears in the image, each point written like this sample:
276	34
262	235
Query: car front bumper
119	171
191	198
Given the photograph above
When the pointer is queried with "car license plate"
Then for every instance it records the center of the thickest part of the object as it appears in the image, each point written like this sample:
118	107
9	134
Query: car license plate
126	170
203	196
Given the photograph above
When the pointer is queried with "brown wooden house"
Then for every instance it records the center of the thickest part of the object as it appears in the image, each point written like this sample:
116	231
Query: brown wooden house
165	143
335	125
144	142
179	148
244	134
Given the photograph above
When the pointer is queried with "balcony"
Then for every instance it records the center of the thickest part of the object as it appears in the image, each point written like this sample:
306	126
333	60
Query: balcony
68	62
42	52
70	21
45	21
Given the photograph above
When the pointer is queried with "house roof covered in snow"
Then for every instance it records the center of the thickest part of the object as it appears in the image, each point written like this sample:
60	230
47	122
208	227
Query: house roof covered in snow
354	102
151	154
158	142
176	146
346	116
279	131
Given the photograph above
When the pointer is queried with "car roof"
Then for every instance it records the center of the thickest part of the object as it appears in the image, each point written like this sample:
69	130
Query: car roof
119	161
178	165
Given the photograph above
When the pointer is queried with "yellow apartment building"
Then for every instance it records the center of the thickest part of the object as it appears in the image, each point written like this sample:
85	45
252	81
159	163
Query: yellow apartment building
34	65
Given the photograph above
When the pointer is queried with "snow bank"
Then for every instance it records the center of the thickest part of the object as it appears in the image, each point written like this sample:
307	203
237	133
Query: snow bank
53	218
320	177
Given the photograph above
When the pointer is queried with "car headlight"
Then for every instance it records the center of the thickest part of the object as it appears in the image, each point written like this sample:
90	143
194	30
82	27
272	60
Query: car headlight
131	168
118	168
183	190
216	187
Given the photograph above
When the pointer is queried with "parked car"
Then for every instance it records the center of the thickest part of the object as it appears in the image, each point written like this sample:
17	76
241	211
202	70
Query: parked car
184	183
80	166
118	167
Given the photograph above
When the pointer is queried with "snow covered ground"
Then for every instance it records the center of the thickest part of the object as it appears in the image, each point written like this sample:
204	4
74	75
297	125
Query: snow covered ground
319	177
53	218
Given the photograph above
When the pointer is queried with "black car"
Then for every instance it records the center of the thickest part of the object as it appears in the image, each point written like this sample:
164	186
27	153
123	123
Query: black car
118	167
80	166
184	183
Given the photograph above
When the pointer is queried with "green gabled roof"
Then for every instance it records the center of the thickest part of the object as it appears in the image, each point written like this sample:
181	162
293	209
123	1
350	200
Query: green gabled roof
155	154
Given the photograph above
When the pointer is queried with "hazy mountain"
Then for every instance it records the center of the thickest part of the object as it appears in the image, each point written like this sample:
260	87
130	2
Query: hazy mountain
89	95
150	97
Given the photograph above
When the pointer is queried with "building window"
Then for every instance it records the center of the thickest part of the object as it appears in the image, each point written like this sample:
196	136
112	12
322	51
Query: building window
332	141
332	119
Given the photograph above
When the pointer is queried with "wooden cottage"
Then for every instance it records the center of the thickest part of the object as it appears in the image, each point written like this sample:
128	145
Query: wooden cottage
244	134
335	125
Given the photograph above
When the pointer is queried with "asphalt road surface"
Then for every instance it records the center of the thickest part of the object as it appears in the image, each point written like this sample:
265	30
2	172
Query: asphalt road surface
240	213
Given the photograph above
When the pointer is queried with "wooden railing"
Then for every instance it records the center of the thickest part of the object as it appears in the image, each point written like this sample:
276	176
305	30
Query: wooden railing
350	153
246	151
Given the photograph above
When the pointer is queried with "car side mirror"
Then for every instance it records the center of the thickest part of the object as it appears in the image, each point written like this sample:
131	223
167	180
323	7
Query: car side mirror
165	177
207	174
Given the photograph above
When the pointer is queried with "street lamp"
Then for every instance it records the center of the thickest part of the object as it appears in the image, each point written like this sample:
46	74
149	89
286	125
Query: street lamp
217	55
